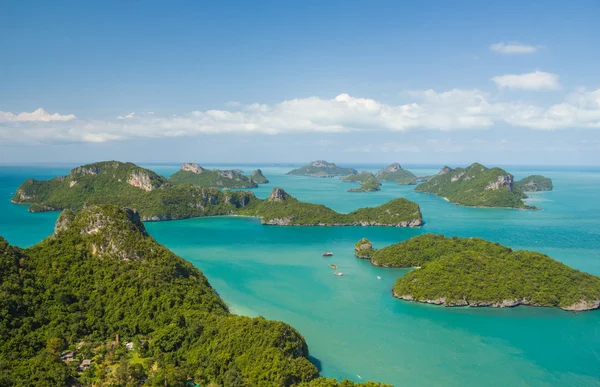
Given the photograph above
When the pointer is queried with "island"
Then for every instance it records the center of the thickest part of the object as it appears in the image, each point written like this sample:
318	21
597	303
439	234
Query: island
157	199
191	173
368	181
535	183
476	186
322	168
101	301
474	272
257	177
394	172
283	210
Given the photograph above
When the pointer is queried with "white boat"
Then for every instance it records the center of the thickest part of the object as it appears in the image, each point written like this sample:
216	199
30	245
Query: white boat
378	277
339	274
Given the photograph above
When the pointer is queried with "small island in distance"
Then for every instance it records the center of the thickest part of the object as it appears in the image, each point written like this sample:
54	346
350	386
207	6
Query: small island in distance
474	272
322	168
535	183
157	199
368	181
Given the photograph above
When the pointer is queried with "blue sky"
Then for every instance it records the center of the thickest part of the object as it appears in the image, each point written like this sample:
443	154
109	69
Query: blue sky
415	82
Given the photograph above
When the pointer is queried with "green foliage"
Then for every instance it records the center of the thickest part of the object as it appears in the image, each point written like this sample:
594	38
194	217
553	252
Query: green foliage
476	186
471	271
413	180
101	274
180	201
290	211
369	182
534	183
421	249
395	172
258	177
364	248
219	179
321	168
361	177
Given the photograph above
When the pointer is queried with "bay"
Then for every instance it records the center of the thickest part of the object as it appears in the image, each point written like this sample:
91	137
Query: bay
352	324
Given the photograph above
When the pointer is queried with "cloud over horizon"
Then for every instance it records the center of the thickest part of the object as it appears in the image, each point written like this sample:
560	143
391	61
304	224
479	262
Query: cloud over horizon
452	110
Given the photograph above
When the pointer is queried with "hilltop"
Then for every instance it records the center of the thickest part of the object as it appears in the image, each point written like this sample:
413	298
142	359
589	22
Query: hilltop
257	177
322	168
395	172
155	198
194	174
368	181
476	186
472	271
535	183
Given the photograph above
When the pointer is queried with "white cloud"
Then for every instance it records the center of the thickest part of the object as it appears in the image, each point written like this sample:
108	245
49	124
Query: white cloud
513	48
537	80
128	116
452	110
579	110
39	115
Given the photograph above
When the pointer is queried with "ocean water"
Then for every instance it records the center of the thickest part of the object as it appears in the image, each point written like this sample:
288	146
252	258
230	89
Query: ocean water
354	328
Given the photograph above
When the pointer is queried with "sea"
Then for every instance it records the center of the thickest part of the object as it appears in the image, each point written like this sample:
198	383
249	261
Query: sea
354	328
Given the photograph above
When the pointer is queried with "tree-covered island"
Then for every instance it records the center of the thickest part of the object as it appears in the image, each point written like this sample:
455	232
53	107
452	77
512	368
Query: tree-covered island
368	182
101	303
157	198
476	186
322	168
474	272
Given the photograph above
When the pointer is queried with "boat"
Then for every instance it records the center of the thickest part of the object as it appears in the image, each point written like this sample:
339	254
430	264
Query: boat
328	254
339	274
334	266
378	277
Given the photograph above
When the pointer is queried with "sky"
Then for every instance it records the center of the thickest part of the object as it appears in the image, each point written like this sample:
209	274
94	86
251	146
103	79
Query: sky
434	82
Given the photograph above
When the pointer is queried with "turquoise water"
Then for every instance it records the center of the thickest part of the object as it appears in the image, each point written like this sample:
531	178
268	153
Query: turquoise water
352	324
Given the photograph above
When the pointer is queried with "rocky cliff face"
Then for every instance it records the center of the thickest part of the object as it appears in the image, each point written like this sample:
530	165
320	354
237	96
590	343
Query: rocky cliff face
278	195
86	170
389	169
445	170
502	181
107	230
21	196
191	167
227	174
320	163
258	177
140	179
577	307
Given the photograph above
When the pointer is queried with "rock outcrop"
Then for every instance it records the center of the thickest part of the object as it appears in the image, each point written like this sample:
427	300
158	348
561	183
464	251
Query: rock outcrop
363	248
278	195
140	179
191	167
446	169
258	177
502	181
